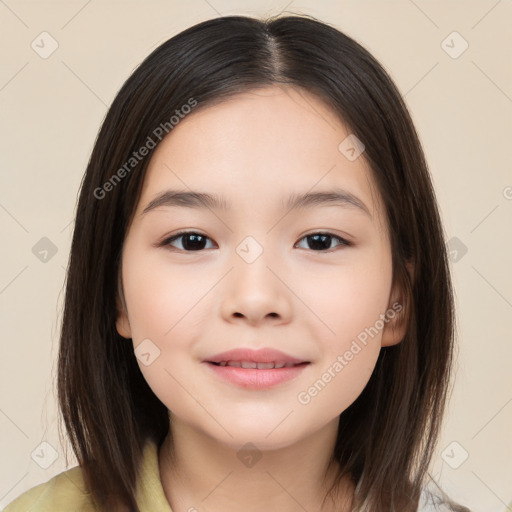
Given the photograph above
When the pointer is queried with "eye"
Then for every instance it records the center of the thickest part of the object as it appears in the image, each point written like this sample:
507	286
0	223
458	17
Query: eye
322	241
192	241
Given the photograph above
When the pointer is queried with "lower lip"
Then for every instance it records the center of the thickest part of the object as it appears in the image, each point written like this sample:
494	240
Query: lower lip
253	378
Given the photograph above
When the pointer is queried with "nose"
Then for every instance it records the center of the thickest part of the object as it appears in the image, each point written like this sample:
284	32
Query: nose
257	293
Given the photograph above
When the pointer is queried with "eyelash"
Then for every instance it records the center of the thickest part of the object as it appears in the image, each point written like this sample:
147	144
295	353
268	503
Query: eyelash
167	242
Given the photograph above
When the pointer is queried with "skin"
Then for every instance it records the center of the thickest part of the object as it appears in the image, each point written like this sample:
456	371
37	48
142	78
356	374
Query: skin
255	149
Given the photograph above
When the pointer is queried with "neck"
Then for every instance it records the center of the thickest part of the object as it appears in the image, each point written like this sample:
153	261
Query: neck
199	473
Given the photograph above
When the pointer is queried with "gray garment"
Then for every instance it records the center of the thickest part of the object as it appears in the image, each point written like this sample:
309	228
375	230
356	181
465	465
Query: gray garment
433	499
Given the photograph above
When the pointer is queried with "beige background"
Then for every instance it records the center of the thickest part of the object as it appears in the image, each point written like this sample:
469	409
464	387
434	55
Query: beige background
52	109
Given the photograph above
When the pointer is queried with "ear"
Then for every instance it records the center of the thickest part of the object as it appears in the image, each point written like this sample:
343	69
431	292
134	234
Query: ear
122	321
398	315
123	324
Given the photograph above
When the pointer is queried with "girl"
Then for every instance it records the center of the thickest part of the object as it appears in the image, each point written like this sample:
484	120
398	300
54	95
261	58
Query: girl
258	311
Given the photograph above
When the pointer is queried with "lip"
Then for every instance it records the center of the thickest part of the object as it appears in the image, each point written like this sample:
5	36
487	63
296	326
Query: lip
263	355
254	378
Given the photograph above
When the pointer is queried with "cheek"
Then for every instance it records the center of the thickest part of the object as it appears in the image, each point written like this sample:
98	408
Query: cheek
346	298
160	297
166	313
339	382
350	347
348	302
335	306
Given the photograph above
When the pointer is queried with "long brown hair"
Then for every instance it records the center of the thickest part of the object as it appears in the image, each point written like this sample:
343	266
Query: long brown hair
387	436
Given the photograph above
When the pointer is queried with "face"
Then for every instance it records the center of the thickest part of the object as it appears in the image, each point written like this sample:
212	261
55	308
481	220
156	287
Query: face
312	281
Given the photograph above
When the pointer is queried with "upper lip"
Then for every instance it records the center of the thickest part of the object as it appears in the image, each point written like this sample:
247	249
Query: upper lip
263	355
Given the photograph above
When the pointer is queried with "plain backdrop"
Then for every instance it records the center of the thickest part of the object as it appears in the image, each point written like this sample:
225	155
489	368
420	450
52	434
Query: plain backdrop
450	60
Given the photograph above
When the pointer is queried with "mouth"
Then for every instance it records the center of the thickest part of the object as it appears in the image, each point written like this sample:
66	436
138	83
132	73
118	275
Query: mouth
256	376
259	366
255	369
262	359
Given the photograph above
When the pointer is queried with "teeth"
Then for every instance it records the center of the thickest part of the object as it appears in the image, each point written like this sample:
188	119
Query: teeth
265	366
253	365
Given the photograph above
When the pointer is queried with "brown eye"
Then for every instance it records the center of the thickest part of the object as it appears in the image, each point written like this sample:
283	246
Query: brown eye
321	242
190	241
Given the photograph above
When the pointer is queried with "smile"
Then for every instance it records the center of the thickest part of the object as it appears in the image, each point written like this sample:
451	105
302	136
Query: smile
251	375
252	364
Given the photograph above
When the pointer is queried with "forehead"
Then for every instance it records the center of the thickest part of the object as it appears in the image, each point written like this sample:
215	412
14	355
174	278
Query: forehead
257	148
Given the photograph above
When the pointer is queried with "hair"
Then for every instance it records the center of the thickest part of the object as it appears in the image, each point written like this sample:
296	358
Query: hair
387	437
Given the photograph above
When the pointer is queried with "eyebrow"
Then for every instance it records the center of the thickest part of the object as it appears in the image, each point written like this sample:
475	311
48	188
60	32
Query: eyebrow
193	199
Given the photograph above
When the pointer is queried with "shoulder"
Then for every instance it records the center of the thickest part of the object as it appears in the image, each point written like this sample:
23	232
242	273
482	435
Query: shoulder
431	502
64	492
434	499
